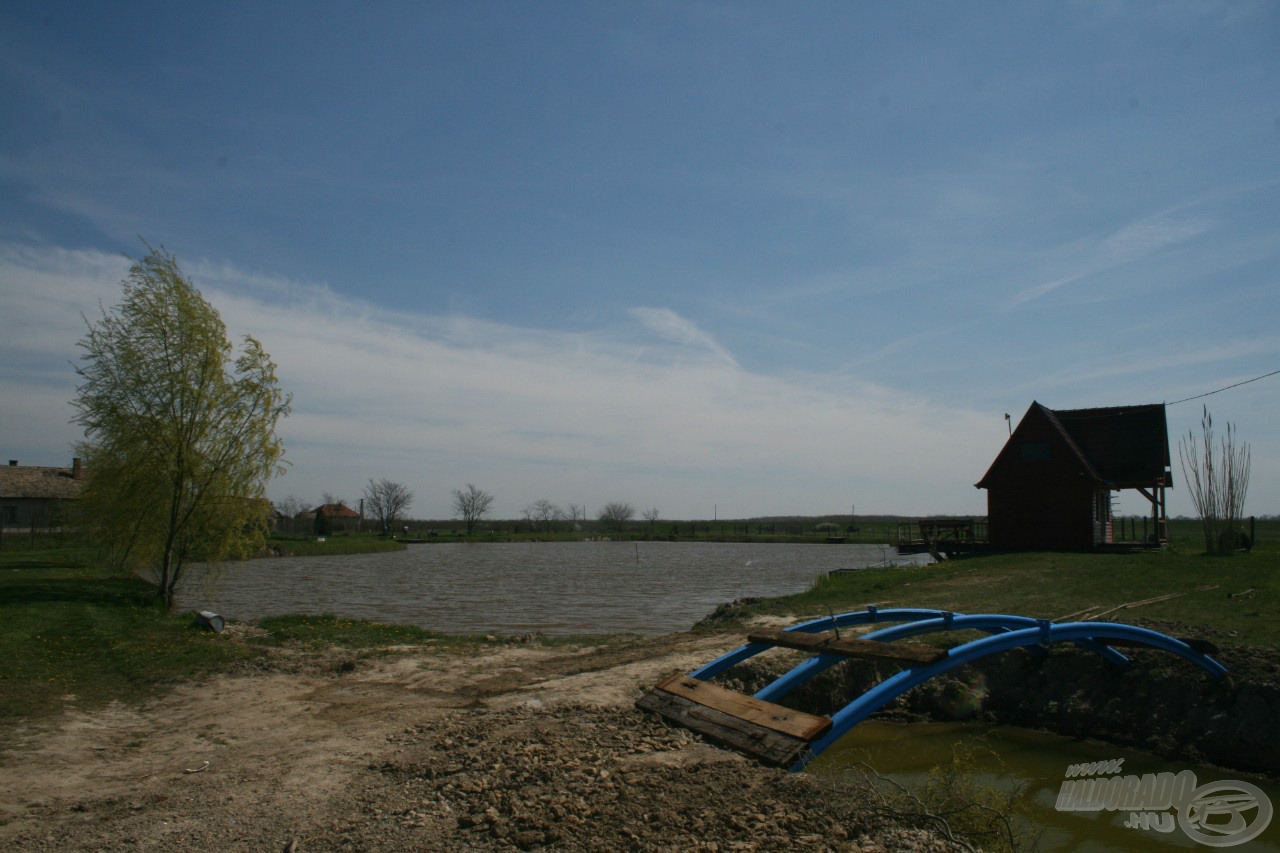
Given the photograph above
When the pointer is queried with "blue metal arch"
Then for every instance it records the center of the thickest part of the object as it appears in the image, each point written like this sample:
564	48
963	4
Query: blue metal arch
826	623
1045	632
1006	632
992	623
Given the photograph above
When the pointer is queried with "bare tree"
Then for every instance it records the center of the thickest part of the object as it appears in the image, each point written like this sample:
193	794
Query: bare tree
290	507
615	514
651	515
385	500
576	513
471	505
1217	484
544	513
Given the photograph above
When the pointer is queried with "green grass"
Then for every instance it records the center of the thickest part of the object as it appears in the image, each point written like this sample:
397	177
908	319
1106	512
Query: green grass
1050	585
76	636
329	630
360	543
70	635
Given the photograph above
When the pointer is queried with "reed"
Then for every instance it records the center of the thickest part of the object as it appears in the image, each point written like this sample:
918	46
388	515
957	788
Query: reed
1218	483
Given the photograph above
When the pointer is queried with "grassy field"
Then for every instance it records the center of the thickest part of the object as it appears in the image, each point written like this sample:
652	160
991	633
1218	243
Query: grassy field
1237	595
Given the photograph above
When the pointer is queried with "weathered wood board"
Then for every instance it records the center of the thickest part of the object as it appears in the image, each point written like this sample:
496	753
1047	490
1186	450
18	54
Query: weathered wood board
764	744
827	642
777	718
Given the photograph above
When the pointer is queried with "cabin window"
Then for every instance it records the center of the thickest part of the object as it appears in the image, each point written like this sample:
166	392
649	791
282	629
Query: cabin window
1035	451
9	514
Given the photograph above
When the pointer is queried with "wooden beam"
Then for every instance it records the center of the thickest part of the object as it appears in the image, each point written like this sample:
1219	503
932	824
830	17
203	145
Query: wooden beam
826	642
763	744
776	718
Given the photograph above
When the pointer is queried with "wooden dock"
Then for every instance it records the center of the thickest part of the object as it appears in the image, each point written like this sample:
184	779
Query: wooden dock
943	537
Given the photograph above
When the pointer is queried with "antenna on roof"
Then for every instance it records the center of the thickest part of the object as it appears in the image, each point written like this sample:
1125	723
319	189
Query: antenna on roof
1009	422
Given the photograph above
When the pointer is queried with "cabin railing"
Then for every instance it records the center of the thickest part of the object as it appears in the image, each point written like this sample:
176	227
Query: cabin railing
942	535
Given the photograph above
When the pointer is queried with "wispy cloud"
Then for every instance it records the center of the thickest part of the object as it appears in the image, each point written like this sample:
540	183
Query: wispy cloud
1118	366
670	326
1131	242
527	413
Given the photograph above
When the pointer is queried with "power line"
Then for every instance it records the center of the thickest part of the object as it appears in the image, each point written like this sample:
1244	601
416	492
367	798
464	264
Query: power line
1228	388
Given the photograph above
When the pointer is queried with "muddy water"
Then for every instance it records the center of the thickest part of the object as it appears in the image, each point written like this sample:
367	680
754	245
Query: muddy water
1005	756
515	588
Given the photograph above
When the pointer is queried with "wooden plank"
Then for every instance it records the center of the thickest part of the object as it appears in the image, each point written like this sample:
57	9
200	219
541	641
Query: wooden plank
764	745
776	718
826	642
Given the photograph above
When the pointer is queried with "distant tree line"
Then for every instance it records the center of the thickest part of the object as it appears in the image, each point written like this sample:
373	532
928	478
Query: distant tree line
385	503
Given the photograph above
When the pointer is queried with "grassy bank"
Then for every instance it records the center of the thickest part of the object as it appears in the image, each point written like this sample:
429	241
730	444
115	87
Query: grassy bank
74	636
310	546
1237	596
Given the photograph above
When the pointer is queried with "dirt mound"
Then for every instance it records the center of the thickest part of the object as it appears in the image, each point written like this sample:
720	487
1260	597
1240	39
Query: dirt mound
590	778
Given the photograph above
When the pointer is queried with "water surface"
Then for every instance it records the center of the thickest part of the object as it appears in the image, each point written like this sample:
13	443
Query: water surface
1006	756
522	587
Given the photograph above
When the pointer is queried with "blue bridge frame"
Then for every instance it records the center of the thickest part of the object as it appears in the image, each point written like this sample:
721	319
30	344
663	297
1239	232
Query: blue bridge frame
1004	632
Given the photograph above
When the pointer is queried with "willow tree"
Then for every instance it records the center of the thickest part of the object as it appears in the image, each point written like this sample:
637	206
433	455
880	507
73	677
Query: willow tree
180	437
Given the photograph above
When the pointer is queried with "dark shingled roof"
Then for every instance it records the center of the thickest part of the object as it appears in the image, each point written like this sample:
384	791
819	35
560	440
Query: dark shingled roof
1120	447
1125	445
34	481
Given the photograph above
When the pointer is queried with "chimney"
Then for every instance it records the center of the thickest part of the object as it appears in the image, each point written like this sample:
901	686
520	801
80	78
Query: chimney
76	470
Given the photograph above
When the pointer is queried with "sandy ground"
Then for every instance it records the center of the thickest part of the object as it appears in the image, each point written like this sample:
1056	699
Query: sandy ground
511	746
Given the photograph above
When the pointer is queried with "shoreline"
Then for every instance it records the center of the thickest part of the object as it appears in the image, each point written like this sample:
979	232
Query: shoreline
510	745
330	734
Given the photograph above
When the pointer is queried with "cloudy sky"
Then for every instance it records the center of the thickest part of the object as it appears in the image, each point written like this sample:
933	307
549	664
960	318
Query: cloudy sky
718	258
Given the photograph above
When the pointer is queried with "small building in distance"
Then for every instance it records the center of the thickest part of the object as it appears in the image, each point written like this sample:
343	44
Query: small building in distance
1051	486
38	496
337	517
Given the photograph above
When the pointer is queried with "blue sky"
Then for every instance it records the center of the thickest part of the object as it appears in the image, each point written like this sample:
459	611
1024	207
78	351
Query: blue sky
730	258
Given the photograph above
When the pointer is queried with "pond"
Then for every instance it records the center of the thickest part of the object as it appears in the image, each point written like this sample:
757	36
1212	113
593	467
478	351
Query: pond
1036	763
524	587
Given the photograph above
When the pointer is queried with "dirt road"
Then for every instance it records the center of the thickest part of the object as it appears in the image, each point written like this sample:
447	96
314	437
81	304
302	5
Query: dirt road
509	746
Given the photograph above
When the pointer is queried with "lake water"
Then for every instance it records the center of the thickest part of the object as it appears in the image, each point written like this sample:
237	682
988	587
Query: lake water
524	587
1004	757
